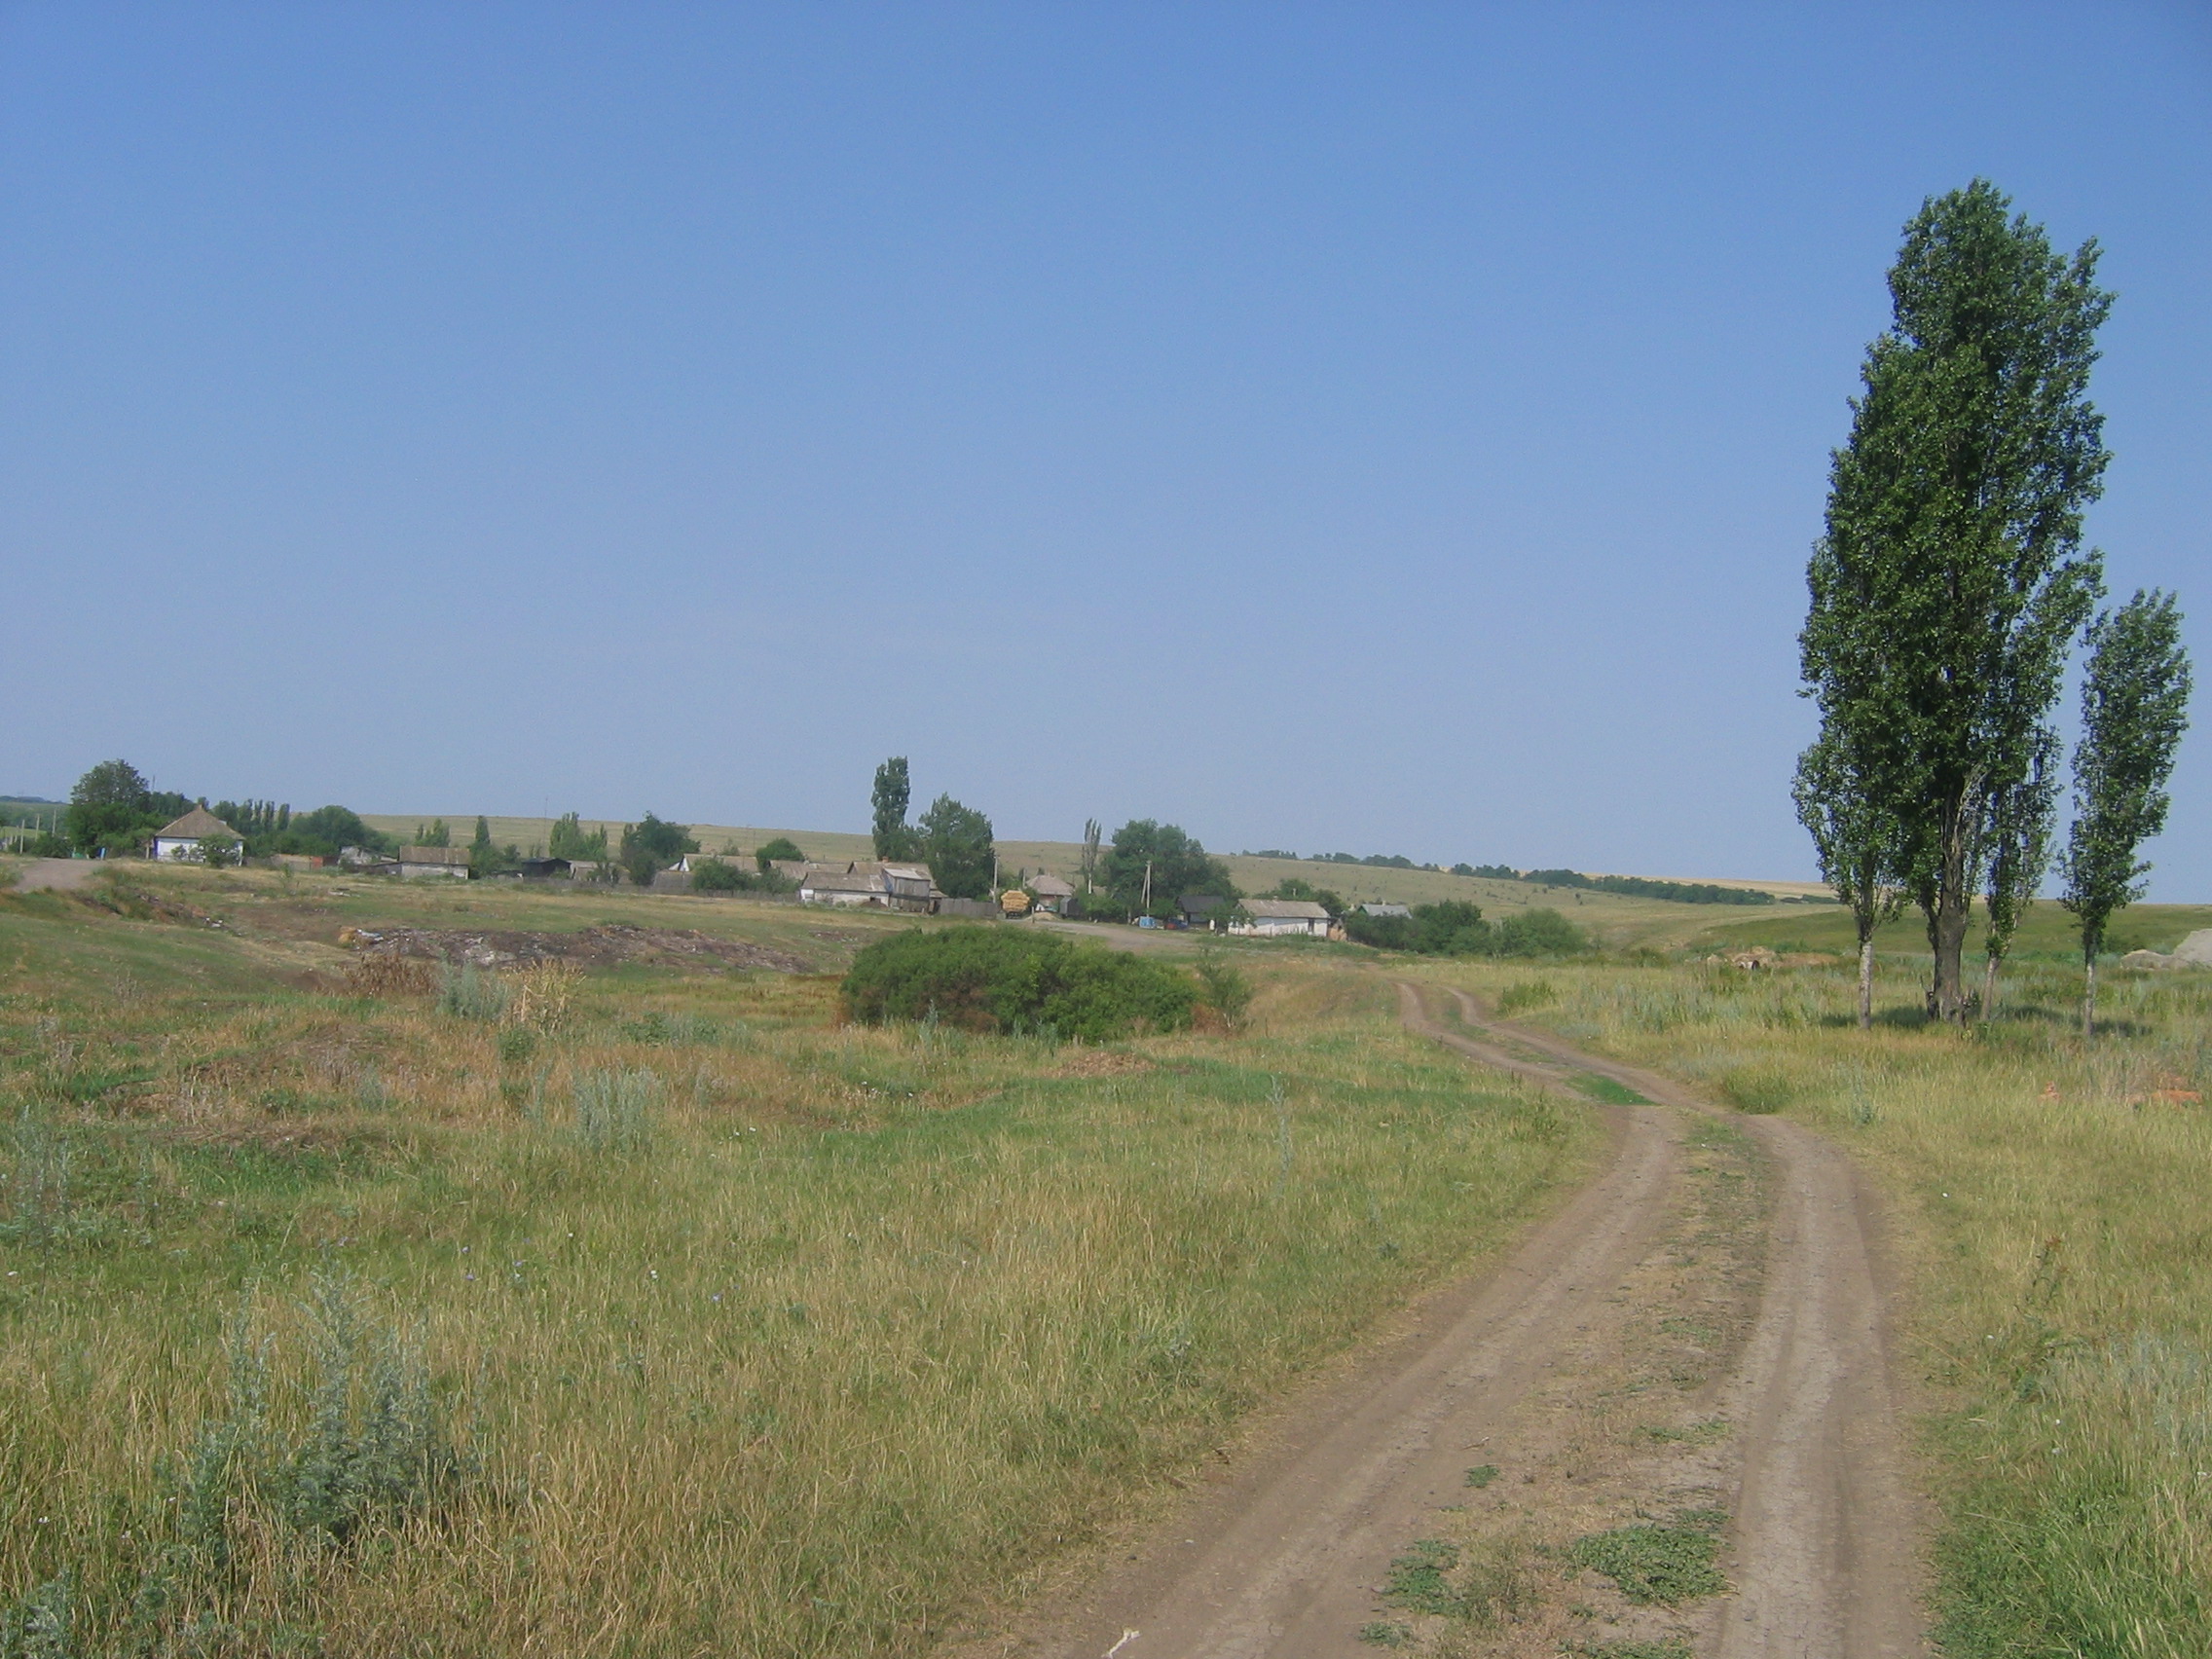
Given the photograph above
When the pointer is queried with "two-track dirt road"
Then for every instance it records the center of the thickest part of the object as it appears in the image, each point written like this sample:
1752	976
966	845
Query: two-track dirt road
1284	1557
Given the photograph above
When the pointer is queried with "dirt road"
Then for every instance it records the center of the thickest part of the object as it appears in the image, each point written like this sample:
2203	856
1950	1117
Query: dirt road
63	873
1794	1435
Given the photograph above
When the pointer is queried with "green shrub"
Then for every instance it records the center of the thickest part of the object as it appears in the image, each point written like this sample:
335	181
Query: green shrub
782	847
1227	989
985	977
1538	933
713	875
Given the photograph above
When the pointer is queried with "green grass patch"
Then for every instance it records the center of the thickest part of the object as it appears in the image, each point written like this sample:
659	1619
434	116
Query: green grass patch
1607	1091
1664	1565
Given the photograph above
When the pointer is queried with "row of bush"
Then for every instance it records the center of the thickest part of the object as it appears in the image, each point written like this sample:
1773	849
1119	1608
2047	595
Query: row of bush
1454	927
1007	980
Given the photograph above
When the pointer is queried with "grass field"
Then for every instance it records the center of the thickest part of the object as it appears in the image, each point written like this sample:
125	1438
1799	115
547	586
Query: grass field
2051	1197
648	1310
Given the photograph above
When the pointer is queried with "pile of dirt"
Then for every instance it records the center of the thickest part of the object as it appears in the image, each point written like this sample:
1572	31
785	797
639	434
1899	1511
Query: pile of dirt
592	947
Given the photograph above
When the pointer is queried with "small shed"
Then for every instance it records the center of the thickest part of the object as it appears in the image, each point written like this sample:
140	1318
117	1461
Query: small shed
545	870
181	839
909	887
447	862
1202	910
1281	918
1053	893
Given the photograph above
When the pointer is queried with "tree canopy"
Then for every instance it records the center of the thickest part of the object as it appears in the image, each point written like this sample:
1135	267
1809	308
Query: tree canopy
956	841
1950	579
650	845
894	837
1179	865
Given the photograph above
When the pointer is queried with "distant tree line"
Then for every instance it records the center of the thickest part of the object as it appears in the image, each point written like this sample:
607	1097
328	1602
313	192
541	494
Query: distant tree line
1638	887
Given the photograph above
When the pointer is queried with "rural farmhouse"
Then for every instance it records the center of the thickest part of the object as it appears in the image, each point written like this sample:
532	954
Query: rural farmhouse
1053	894
1277	919
181	839
434	862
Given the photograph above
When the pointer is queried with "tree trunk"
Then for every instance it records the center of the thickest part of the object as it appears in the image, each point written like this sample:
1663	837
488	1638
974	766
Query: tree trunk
1989	990
1865	982
1949	933
1953	906
2089	1000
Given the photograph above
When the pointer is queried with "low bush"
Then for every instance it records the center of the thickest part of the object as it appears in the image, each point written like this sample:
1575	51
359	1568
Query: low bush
1227	989
1456	928
713	875
997	978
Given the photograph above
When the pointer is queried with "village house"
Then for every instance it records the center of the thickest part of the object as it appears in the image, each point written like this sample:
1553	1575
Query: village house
843	886
181	839
862	882
1281	918
447	862
1053	894
1386	910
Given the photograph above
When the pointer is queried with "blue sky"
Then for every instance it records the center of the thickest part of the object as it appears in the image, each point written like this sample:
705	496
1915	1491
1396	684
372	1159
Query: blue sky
1387	428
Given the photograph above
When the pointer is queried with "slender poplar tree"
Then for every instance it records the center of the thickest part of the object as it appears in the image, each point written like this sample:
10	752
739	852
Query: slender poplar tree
2134	710
894	839
1844	809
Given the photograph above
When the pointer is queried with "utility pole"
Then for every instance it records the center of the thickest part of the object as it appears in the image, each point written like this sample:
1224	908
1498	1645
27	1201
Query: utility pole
1148	886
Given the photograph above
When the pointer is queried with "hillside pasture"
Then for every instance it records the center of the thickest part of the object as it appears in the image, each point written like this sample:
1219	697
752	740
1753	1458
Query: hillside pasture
356	1307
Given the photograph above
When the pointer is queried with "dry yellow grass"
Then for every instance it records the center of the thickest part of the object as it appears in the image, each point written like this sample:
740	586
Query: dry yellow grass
854	1333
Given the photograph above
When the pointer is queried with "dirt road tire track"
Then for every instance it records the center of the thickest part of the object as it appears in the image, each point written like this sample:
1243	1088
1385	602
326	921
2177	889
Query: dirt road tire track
1279	1561
1826	1543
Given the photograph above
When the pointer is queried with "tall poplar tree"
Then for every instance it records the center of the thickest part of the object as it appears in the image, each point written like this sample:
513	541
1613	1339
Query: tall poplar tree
894	839
1951	578
2134	710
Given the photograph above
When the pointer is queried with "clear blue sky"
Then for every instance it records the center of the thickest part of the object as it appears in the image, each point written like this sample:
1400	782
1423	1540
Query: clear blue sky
1394	429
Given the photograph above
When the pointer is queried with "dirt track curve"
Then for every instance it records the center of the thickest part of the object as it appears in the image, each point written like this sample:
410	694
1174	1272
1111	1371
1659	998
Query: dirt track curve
1282	1558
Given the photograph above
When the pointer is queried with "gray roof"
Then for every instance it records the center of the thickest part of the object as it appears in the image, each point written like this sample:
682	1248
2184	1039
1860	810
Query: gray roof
840	881
433	855
1286	909
194	825
1386	910
1050	886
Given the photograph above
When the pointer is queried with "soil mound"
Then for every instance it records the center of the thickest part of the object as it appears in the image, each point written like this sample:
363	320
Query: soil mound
592	947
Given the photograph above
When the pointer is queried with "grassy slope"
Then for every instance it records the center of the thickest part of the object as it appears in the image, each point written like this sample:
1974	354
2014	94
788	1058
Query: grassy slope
870	1328
2052	1202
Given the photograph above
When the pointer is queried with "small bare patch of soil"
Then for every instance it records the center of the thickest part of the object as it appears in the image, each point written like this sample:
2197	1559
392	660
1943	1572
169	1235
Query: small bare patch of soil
592	947
1101	1062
